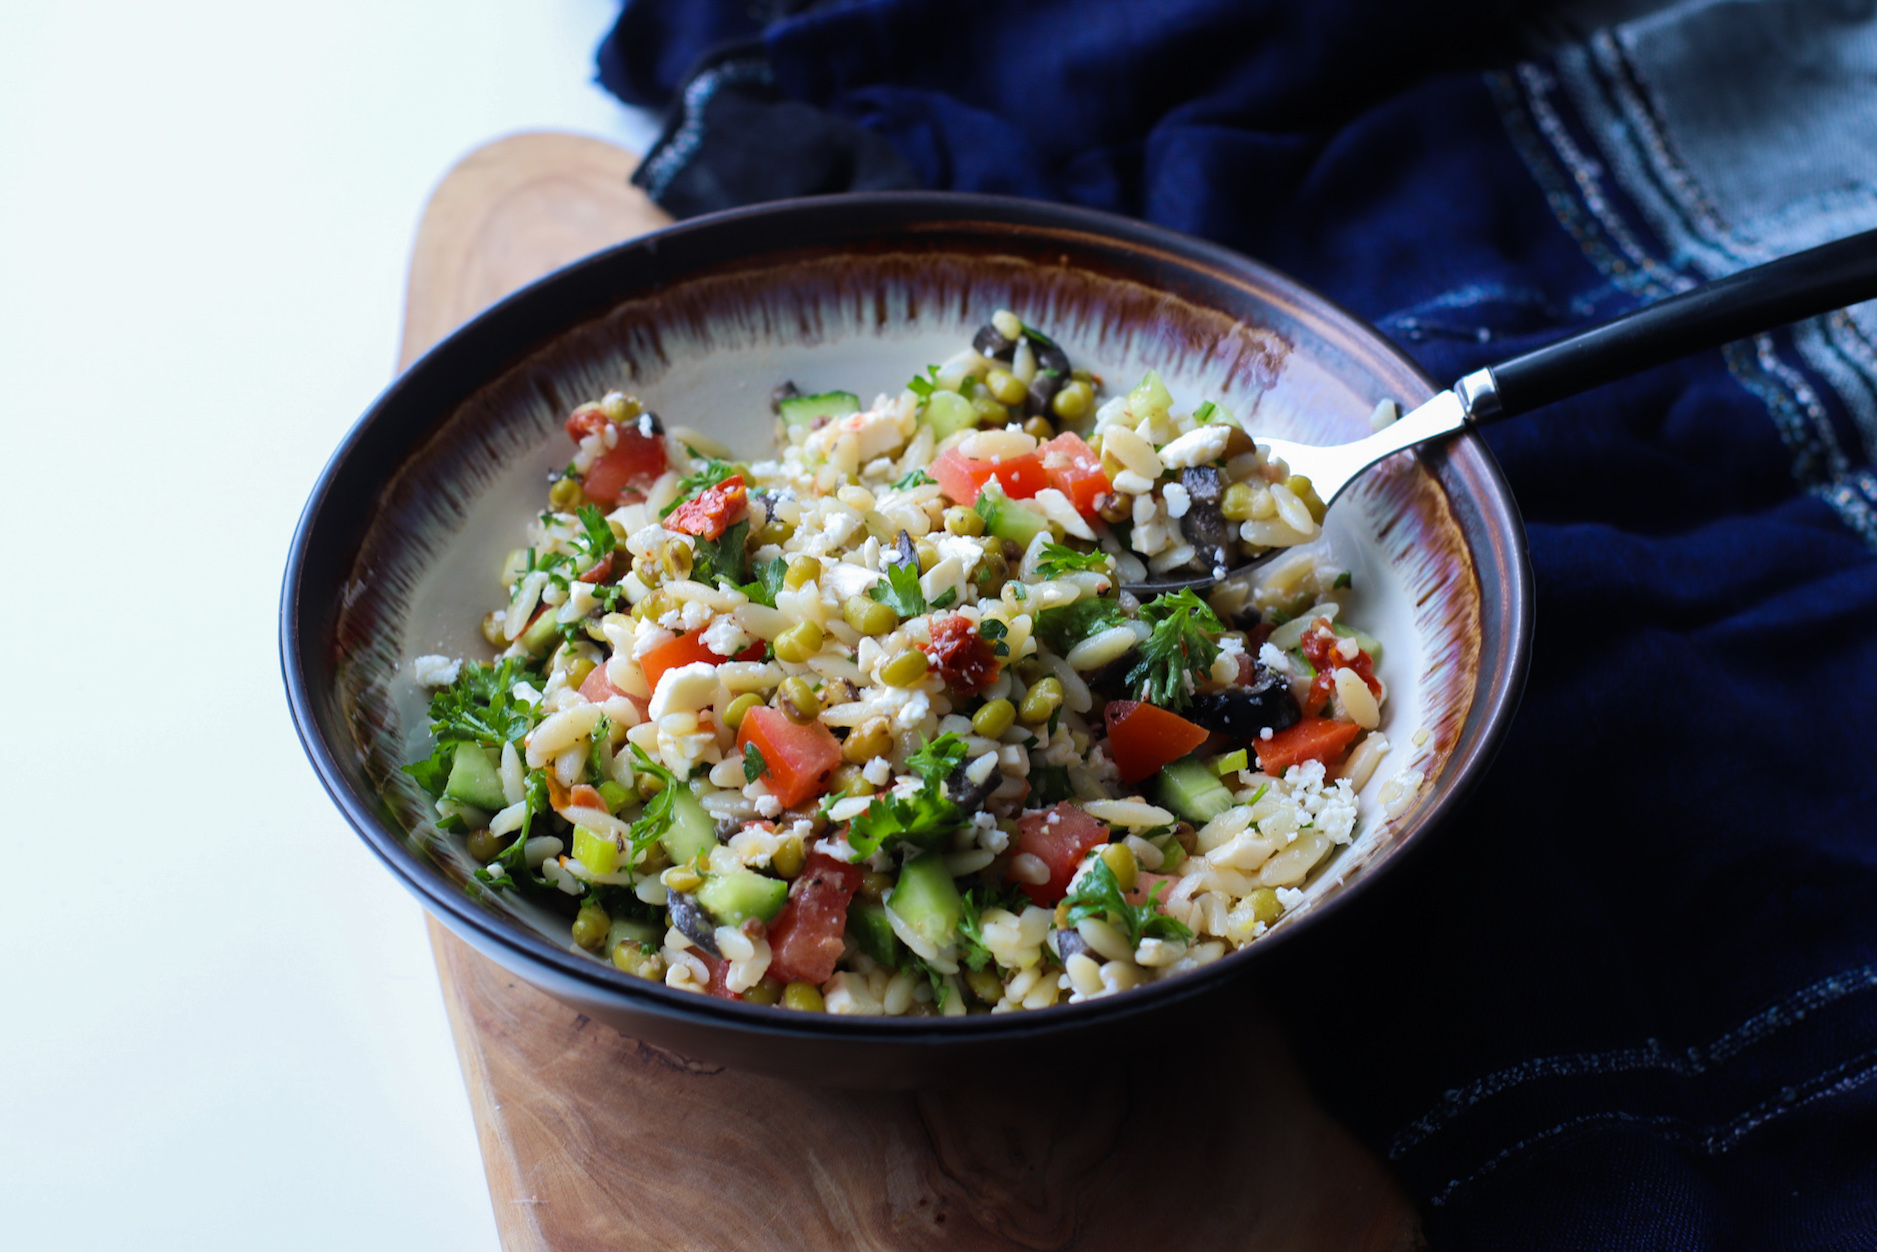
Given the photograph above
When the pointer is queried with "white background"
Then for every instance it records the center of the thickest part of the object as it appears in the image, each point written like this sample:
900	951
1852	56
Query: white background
220	1024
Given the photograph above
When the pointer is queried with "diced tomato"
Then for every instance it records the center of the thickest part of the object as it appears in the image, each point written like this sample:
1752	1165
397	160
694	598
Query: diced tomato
805	939
582	796
962	478
719	984
963	658
684	650
712	511
688	650
1309	739
1320	646
1145	738
585	421
600	571
797	759
1075	471
634	461
1060	838
597	688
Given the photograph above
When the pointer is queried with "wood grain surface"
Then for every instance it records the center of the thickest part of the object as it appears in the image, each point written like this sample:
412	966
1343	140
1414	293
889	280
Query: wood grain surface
593	1140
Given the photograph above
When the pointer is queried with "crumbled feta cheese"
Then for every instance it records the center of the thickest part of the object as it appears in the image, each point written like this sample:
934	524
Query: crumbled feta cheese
726	637
1199	447
649	637
1177	500
965	551
844	579
1289	897
913	711
684	689
436	671
640	542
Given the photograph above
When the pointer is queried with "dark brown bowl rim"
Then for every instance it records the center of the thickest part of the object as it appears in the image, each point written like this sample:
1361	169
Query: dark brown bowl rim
325	545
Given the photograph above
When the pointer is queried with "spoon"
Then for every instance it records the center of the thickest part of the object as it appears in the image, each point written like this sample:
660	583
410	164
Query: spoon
1790	289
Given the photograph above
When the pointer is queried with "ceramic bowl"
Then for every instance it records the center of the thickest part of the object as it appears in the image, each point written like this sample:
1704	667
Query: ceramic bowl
398	551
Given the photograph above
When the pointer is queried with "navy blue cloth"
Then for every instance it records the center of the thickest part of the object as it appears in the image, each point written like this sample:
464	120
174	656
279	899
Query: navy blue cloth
1629	998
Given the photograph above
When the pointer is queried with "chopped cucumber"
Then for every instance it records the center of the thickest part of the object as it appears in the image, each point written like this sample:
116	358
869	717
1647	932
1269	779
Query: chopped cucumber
866	922
927	901
1368	643
690	830
542	633
732	899
1231	762
1193	791
474	778
1007	519
595	851
947	413
801	412
1150	399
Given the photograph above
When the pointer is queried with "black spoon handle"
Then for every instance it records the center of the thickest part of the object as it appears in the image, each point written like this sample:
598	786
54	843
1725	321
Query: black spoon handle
1787	290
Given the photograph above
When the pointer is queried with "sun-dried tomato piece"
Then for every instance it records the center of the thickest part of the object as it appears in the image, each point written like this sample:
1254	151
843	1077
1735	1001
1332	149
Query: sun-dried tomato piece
963	658
711	513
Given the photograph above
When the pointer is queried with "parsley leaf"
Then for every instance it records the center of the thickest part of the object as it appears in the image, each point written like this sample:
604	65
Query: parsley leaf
993	631
1069	625
1099	895
597	751
923	387
699	481
937	758
899	591
599	540
920	818
946	598
913	478
478	707
724	559
1178	647
1049	784
1204	413
1059	559
753	763
512	861
768	581
1342	580
656	817
940	988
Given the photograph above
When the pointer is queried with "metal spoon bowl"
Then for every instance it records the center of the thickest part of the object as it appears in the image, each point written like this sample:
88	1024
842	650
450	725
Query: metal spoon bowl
1792	288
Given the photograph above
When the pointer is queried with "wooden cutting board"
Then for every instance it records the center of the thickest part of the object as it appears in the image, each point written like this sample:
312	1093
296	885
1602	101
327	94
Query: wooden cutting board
593	1140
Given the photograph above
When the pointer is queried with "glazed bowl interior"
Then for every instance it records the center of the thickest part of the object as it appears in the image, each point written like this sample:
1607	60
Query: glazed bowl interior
399	551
